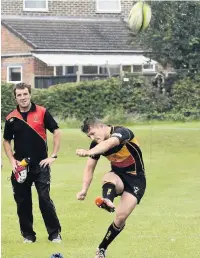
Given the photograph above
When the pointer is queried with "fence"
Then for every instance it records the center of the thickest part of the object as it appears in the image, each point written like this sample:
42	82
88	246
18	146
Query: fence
44	82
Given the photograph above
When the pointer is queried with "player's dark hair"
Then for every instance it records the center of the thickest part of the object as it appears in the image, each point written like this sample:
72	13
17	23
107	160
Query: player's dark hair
21	86
89	122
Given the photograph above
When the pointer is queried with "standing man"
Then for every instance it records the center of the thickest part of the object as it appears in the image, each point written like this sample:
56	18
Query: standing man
126	178
26	126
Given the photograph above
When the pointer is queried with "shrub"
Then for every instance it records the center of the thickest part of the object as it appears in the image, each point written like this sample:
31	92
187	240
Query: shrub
115	100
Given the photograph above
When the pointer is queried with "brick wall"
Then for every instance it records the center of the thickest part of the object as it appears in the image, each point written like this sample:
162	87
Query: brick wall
83	8
30	67
41	68
27	64
11	43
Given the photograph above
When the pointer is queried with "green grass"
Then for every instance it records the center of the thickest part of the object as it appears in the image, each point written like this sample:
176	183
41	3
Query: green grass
165	224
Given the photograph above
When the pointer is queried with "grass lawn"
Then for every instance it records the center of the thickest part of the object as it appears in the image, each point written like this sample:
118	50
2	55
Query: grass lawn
165	224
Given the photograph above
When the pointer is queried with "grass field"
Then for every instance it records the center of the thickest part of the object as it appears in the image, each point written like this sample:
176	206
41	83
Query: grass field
165	224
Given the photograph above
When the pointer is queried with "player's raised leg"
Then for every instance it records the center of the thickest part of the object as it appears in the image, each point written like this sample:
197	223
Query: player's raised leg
125	208
112	186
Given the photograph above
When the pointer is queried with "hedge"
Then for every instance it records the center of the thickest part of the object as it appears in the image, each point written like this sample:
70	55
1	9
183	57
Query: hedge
113	96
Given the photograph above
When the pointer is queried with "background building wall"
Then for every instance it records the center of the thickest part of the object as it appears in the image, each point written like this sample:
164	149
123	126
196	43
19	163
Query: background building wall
74	8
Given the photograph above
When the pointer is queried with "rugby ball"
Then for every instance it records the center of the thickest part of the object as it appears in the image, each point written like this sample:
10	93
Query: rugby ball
139	17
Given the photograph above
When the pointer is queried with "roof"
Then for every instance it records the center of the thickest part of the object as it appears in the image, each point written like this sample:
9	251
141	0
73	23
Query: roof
73	33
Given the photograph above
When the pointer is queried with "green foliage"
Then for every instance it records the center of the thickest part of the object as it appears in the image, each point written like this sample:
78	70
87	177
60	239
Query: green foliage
115	101
138	98
7	99
174	34
116	118
186	97
84	99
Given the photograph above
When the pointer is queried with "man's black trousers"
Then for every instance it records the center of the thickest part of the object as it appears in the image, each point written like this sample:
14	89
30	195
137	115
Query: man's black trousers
23	197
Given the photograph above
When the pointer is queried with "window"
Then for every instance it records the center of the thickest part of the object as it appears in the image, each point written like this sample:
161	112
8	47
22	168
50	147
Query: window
137	68
65	70
59	70
114	69
14	74
36	5
126	68
103	70
148	67
71	69
90	69
108	6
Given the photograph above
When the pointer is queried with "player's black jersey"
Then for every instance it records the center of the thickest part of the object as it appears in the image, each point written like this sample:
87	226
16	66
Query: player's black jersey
127	156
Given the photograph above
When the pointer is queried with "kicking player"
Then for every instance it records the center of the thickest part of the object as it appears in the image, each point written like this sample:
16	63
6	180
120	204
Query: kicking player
126	178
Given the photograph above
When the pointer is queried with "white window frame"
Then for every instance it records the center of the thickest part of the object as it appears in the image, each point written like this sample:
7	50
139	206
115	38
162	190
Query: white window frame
46	9
108	11
149	70
8	73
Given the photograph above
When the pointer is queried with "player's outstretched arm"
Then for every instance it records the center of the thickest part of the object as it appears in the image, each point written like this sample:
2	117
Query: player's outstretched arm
99	148
104	146
87	178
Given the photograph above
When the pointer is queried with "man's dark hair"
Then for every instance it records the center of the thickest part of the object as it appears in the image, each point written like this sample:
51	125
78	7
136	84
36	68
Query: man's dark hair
21	86
89	122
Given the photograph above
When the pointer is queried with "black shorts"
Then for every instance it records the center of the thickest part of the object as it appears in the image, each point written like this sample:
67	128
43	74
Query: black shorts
133	184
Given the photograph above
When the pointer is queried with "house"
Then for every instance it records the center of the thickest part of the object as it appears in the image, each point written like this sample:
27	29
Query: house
45	42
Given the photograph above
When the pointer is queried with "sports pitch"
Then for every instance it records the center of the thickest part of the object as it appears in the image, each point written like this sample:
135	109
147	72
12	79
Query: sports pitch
165	224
